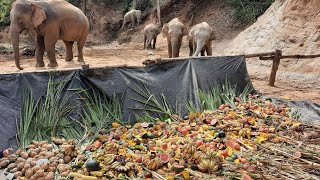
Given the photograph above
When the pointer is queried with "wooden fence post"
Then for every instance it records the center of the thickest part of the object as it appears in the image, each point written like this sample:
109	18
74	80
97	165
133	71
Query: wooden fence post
275	65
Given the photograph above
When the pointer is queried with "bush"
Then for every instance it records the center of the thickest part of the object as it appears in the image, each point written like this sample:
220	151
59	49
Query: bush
247	11
5	7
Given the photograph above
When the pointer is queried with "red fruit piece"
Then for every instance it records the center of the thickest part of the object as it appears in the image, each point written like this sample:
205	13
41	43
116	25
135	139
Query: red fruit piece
97	144
138	159
164	146
164	157
199	143
184	131
224	153
245	177
236	146
152	147
243	160
230	143
213	122
88	147
144	124
166	132
188	128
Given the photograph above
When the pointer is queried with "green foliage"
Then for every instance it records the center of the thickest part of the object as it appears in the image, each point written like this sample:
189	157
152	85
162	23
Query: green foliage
220	95
76	3
5	7
247	11
143	5
151	104
99	113
50	116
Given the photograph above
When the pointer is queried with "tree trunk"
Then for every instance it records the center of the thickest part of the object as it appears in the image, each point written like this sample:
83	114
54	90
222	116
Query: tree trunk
84	6
158	10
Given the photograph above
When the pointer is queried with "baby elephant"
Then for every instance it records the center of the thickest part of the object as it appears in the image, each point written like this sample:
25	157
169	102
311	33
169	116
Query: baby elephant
200	39
151	32
132	15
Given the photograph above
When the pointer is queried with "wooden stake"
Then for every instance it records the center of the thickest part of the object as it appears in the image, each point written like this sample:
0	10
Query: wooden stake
275	65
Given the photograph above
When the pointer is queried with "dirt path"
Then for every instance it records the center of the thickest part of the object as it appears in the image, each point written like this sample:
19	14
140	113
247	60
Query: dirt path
297	86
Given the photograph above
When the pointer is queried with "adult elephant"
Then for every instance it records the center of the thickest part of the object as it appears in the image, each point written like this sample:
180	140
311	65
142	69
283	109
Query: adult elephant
174	31
151	31
52	20
200	39
131	16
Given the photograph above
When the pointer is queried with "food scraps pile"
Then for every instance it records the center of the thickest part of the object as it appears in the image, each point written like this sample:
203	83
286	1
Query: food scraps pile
252	140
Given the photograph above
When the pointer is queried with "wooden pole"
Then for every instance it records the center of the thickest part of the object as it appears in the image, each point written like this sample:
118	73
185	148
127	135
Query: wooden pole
275	65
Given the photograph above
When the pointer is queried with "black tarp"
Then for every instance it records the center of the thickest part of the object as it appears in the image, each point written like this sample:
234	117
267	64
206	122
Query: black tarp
178	81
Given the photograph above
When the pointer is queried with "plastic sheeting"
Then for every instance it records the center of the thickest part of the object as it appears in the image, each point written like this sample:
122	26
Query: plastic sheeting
178	81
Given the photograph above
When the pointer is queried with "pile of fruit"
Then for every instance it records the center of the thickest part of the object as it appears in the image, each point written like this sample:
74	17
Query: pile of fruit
228	143
41	160
253	140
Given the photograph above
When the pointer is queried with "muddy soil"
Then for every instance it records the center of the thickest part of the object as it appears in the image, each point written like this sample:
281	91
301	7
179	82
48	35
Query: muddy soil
289	84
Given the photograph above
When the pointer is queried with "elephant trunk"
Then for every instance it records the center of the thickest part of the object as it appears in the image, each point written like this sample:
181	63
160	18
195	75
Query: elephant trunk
15	45
176	44
200	45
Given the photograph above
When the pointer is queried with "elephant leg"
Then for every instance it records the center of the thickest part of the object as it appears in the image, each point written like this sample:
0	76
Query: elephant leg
69	53
209	49
40	51
203	52
123	24
190	46
50	43
169	48
194	48
144	41
80	45
133	19
154	42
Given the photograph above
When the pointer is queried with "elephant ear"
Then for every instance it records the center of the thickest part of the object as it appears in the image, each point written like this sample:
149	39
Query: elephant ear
165	30
213	36
185	31
38	15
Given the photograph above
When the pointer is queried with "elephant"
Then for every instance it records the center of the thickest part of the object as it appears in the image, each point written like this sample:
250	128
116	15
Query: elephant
52	20
151	31
132	15
174	31
200	39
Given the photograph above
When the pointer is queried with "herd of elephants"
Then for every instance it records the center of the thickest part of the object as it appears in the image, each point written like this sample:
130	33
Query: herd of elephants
54	20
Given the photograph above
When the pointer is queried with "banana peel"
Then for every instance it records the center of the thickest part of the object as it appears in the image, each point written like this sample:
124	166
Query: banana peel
97	173
82	176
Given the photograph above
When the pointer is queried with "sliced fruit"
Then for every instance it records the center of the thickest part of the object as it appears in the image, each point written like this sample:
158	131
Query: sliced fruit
164	157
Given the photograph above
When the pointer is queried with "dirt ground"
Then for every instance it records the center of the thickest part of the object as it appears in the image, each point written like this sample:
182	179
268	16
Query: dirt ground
294	85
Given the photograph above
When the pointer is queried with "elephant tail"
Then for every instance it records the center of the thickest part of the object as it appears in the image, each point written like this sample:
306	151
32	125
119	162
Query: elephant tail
199	46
